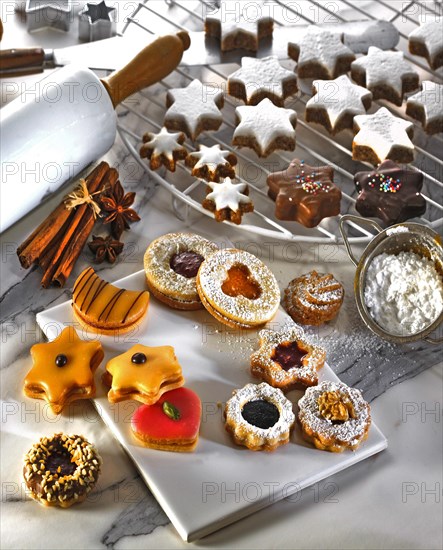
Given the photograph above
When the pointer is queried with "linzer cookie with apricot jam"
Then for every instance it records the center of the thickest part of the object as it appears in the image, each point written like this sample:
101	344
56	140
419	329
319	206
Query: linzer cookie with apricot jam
105	308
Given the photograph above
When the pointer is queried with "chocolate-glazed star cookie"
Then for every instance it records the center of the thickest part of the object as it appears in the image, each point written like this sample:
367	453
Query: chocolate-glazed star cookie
304	193
390	193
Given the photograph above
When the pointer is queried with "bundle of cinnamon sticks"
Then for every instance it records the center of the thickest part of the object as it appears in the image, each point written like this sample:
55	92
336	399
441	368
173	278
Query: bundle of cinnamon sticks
58	241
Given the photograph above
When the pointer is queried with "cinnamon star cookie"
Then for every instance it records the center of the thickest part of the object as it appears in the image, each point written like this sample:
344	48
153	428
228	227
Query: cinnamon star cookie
229	201
164	149
427	107
212	163
427	41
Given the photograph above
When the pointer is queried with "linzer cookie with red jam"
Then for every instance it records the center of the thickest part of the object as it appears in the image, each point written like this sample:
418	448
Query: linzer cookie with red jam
171	264
61	470
163	149
63	370
228	201
171	424
304	194
390	193
313	298
259	417
212	163
334	417
286	359
105	308
238	289
143	373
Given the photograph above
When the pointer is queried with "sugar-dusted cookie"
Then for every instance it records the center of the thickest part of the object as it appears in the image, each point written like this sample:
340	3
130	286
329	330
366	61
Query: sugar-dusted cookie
336	102
164	149
61	470
170	424
427	41
259	417
105	308
320	54
427	107
386	74
239	24
381	136
313	298
260	78
143	373
63	370
334	417
304	194
265	128
229	201
286	359
194	109
238	289
390	193
212	163
171	264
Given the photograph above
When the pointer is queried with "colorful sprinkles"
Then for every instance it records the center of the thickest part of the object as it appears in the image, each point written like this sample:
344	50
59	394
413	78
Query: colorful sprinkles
309	183
386	184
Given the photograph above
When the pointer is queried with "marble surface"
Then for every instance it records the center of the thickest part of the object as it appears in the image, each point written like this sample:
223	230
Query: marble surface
403	484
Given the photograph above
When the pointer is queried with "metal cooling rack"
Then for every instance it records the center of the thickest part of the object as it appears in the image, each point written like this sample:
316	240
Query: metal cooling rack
144	112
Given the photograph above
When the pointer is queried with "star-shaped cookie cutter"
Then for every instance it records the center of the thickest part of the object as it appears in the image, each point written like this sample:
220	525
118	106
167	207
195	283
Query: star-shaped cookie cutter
97	21
41	14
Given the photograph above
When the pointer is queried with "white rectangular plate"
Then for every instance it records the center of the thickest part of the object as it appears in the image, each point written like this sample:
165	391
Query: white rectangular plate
220	482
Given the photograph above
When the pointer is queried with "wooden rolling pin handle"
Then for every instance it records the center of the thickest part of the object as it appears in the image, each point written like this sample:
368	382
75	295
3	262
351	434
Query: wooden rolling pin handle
22	58
151	65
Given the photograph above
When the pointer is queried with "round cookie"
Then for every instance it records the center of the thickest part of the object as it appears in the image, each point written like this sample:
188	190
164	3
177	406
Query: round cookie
238	289
61	470
171	263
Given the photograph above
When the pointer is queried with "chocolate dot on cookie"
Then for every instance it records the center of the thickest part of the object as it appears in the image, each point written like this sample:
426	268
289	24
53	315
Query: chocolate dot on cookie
139	358
61	360
288	355
186	263
260	413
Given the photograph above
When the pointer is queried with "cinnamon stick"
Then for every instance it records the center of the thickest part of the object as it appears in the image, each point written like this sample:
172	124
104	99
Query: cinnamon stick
35	245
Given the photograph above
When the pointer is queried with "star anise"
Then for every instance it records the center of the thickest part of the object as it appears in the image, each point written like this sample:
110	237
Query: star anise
117	206
105	248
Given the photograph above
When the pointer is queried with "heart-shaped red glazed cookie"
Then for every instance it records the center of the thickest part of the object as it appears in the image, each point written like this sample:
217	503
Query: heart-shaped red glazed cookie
170	424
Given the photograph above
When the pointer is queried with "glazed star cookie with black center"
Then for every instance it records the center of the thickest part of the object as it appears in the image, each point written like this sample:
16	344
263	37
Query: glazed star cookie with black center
143	373
63	370
194	109
320	54
334	417
163	149
286	360
228	201
426	106
390	193
260	78
336	102
386	74
259	417
427	41
265	128
304	194
212	163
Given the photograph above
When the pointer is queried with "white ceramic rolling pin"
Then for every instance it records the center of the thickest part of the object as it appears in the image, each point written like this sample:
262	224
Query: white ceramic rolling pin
51	133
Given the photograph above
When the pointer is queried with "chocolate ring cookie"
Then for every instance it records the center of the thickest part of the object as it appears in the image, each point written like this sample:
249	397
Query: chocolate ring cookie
61	470
171	264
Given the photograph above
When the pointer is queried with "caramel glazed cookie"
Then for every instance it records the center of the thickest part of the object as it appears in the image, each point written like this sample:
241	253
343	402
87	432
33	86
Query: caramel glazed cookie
334	417
171	264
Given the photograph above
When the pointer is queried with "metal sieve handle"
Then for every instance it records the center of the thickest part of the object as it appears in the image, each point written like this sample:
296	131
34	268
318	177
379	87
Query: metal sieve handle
359	221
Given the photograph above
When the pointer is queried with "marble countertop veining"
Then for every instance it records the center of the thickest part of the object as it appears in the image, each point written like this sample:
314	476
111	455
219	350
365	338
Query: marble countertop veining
392	500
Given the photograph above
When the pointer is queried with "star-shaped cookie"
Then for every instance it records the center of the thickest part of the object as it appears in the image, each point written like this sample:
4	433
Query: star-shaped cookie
386	74
390	193
240	24
194	109
229	201
320	54
286	359
304	194
63	370
336	102
381	136
265	128
164	149
143	373
427	107
427	41
260	78
212	163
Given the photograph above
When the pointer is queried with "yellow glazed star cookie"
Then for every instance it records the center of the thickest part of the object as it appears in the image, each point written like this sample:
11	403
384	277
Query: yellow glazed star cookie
286	359
143	373
63	370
